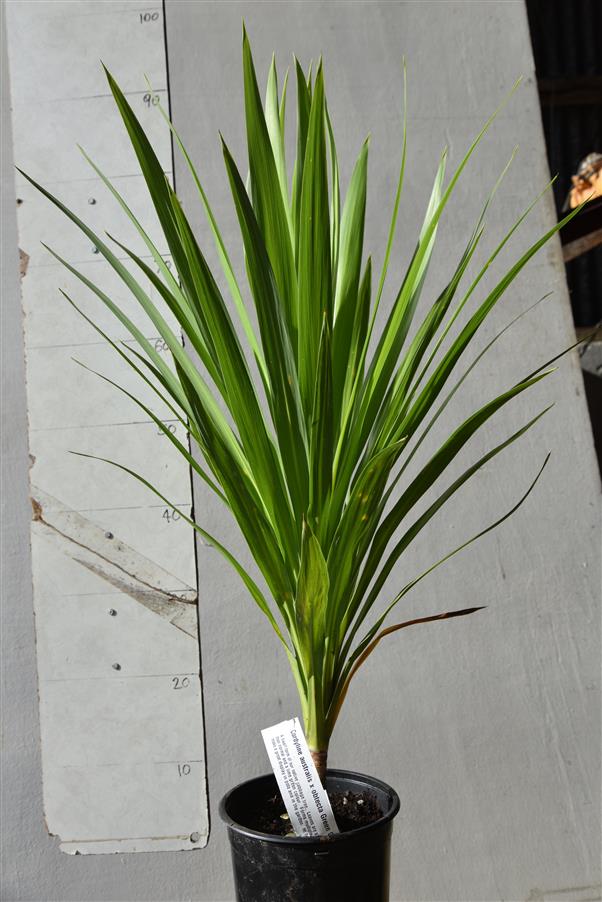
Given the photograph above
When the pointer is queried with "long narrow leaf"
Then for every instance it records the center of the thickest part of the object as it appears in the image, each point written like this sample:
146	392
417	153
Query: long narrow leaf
268	201
314	269
250	584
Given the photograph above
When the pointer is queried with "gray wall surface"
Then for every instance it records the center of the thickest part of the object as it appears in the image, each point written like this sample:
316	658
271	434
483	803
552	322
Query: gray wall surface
489	727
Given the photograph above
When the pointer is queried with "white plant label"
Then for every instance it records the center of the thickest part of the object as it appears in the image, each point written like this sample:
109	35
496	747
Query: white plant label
304	796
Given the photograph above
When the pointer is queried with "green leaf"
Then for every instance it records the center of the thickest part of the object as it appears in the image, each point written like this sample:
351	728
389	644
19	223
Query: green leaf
239	392
431	472
355	364
303	108
311	599
399	189
266	191
346	301
321	432
164	429
366	399
341	690
274	125
224	258
370	647
188	426
401	316
355	528
437	380
250	584
315	280
335	199
307	448
284	399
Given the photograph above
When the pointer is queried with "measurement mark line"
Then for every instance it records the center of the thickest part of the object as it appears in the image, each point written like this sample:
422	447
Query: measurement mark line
93	510
121	676
84	344
85	262
75	262
114	12
80	344
87	344
182	760
178	592
91	97
89	178
117	839
102	425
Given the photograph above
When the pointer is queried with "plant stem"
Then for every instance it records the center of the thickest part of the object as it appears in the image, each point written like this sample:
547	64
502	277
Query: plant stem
320	759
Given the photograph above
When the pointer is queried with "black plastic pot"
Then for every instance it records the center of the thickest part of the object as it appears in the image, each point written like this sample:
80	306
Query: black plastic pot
352	866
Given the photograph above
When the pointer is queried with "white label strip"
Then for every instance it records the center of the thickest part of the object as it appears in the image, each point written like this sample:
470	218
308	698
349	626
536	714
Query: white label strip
114	570
304	796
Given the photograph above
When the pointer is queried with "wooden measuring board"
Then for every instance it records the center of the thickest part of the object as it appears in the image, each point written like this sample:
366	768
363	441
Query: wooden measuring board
114	571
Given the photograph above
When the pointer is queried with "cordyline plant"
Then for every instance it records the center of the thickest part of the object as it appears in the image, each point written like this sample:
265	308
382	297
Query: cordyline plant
306	455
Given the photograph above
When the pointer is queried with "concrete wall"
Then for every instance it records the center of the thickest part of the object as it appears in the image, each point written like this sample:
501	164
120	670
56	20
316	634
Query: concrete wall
490	727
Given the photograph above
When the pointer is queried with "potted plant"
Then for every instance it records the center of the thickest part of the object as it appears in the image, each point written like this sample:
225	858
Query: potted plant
305	424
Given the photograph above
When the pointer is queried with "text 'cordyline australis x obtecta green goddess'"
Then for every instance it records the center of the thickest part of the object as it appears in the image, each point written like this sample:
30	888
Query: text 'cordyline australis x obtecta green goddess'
307	454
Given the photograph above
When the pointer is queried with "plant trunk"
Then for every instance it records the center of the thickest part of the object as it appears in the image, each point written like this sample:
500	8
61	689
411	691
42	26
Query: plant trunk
320	759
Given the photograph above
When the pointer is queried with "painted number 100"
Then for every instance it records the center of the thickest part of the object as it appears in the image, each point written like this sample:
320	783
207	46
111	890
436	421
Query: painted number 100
148	17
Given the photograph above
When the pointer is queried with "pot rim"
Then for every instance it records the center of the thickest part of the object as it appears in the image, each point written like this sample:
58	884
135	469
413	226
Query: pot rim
354	776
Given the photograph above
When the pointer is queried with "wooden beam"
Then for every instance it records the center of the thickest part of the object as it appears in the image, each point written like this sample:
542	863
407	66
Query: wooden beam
582	245
585	90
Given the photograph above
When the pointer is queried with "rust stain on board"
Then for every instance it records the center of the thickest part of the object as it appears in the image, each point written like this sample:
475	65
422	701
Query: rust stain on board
23	262
568	892
101	553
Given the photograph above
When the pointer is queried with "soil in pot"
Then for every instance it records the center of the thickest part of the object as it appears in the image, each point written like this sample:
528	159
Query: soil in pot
351	810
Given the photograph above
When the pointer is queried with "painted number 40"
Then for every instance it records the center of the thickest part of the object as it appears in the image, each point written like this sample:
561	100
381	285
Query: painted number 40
170	515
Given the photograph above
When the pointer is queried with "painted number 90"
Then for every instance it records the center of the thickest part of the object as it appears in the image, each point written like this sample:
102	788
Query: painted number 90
150	100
